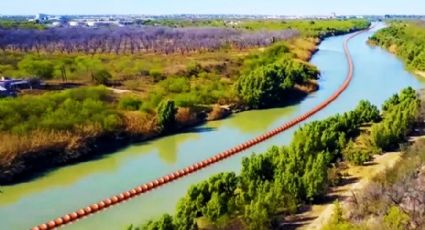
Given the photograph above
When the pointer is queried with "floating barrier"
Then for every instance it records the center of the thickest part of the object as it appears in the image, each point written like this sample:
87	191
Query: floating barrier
81	213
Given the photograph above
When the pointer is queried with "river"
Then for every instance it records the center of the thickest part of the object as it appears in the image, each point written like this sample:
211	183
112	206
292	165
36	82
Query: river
378	74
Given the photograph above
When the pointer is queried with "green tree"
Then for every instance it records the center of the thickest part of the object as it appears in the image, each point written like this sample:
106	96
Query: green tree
130	103
166	112
40	68
367	112
163	223
101	77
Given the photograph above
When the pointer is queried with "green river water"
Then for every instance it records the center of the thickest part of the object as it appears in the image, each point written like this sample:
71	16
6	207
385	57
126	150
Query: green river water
378	74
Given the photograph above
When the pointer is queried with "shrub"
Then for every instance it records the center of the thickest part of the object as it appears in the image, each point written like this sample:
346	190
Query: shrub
396	219
163	223
358	154
129	103
101	77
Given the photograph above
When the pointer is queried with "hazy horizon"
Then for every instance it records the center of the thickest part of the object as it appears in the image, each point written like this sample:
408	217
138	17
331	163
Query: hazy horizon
238	7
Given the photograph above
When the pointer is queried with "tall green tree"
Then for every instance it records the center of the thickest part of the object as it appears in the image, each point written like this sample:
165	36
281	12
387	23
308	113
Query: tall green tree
166	112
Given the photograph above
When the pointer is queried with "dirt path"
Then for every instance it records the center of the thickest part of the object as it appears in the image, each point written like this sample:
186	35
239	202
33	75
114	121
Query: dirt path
359	176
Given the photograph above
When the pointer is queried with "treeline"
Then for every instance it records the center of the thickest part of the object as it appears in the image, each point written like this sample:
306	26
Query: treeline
407	40
20	24
125	40
274	184
315	28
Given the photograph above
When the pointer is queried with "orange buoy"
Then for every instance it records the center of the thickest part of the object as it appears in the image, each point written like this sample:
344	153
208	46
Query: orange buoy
107	202
94	207
166	179
58	221
73	216
81	212
35	228
87	210
216	158
182	173
186	170
126	195
155	183
150	185
51	224
177	174
161	180
121	197
145	187
139	189
172	176
42	226
101	205
66	218
133	192
114	199
191	168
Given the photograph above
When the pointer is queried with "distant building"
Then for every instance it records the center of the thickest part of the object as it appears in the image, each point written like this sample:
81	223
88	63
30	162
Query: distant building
74	23
41	17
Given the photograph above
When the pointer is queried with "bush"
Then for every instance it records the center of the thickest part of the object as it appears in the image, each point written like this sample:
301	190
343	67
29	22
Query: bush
66	110
164	223
101	77
129	103
396	219
356	154
269	77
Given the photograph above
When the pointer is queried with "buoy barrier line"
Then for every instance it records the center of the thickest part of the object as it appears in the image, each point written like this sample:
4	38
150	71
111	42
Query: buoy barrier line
141	189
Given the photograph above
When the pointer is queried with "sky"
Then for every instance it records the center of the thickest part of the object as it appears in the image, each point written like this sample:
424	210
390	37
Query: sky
270	7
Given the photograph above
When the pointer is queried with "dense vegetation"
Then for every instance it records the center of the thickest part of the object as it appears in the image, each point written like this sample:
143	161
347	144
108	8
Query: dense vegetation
274	184
19	24
269	77
407	40
314	28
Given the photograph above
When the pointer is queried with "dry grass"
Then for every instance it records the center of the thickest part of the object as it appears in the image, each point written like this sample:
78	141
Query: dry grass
140	123
186	117
308	87
13	146
216	113
303	48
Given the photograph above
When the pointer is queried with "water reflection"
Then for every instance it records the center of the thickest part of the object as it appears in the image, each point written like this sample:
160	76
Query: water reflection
257	121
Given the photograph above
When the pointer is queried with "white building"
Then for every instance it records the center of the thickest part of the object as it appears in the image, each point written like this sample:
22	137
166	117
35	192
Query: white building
41	17
74	23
